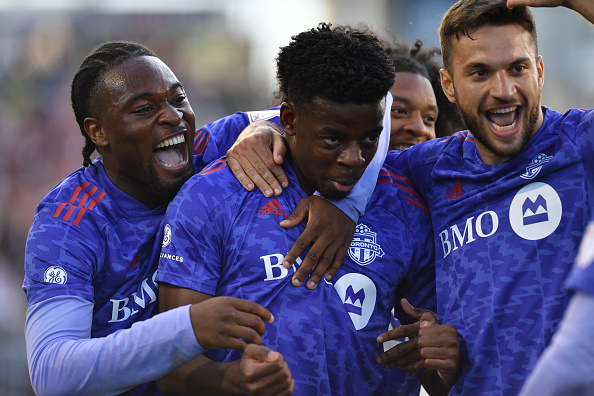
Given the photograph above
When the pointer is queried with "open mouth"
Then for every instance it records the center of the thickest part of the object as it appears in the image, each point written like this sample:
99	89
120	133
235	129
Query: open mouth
401	146
503	120
171	151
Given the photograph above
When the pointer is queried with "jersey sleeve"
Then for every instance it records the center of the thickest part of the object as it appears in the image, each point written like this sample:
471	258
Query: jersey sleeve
63	360
61	256
214	139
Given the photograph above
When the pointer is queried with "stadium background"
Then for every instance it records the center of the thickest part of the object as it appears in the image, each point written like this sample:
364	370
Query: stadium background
222	50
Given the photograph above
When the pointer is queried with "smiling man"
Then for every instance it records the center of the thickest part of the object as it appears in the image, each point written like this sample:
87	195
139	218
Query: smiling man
509	198
90	260
333	81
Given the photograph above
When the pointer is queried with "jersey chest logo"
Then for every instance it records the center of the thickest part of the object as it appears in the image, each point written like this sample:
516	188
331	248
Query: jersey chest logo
535	212
535	166
364	249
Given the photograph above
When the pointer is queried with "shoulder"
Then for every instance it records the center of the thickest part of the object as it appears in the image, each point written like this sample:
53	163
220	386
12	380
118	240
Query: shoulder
78	198
396	193
430	151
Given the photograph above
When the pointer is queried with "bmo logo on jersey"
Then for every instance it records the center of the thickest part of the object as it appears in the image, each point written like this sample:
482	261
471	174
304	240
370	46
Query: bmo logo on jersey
358	294
534	213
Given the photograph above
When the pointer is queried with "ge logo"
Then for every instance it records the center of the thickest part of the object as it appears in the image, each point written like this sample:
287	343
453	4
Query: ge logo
55	274
167	236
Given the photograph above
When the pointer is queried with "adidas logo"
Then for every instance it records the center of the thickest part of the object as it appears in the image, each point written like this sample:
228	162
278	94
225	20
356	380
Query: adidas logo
455	192
272	207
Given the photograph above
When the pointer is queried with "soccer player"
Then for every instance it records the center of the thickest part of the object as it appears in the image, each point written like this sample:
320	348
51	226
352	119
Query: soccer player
508	198
220	239
419	115
90	262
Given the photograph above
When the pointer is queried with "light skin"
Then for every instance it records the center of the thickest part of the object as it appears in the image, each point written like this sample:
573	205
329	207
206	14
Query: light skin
496	80
584	7
414	111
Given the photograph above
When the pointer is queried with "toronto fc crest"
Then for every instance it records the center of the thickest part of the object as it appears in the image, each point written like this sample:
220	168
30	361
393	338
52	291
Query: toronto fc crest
364	249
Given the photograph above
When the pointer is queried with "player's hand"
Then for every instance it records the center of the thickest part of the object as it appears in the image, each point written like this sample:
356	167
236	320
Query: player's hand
225	322
331	232
407	354
440	348
262	372
535	3
256	157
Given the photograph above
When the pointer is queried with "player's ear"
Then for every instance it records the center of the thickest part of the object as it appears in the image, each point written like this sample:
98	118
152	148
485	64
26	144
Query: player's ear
95	131
447	84
288	118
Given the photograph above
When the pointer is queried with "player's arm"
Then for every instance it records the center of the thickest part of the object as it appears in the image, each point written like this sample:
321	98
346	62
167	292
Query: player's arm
64	360
259	371
583	7
329	244
565	367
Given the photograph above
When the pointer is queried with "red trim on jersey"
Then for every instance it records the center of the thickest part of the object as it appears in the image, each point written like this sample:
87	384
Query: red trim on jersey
72	199
216	166
91	206
200	141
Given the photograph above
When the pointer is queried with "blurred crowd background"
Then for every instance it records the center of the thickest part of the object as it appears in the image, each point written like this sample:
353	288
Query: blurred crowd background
224	53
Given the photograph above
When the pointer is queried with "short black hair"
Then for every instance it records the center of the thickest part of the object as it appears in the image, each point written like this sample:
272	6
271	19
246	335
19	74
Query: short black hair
89	76
340	64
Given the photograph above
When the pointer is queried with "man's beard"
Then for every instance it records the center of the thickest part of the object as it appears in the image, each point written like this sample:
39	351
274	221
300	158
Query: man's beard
482	135
166	191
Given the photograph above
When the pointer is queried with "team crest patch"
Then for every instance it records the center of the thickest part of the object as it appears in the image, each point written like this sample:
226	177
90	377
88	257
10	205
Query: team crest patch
167	235
535	166
364	249
55	274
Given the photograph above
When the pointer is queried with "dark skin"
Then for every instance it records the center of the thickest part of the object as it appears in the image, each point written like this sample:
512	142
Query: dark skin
329	231
141	105
329	153
432	351
260	371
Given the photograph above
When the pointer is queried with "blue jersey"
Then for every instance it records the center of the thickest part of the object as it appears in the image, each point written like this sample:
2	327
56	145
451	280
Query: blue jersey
506	236
91	240
222	240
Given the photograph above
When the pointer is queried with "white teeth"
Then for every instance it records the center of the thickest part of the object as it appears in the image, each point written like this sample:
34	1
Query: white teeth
504	128
172	141
505	110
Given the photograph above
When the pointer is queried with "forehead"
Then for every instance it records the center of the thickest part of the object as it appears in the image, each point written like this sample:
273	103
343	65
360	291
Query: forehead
412	85
494	45
138	75
327	114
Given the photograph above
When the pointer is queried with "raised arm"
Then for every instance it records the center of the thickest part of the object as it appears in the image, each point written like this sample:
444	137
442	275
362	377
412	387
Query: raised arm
583	7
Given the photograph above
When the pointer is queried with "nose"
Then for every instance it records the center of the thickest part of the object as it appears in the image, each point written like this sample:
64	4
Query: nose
351	156
502	85
169	114
416	126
